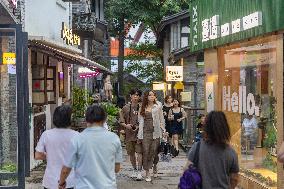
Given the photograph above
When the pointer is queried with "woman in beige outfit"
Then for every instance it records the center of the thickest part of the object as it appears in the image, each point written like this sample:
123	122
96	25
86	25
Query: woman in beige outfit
151	129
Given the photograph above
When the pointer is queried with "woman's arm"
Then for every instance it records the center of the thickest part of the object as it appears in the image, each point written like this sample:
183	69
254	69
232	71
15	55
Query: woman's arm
162	119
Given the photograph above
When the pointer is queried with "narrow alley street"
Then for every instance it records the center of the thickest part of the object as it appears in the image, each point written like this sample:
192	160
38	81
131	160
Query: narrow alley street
168	176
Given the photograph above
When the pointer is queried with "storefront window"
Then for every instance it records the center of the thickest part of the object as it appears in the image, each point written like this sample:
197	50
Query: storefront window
248	87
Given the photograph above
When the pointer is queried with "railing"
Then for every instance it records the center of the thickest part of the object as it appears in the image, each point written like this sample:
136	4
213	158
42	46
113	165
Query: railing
190	124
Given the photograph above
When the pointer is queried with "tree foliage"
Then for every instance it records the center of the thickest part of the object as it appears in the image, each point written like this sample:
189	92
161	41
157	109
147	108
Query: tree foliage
145	61
151	12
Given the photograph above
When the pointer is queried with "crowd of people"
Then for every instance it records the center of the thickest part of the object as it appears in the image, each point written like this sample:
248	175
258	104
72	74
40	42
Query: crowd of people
91	159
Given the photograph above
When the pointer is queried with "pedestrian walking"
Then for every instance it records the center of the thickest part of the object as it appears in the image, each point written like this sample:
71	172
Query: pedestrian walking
129	121
200	127
176	115
95	154
218	161
53	145
151	129
168	104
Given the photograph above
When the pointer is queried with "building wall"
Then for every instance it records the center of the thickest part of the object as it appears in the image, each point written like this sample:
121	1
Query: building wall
44	18
194	81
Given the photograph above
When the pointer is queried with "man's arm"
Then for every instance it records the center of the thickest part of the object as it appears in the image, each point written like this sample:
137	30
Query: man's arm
234	180
40	156
122	120
117	167
65	171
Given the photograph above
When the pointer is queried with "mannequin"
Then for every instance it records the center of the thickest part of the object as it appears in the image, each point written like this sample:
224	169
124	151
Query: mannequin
108	88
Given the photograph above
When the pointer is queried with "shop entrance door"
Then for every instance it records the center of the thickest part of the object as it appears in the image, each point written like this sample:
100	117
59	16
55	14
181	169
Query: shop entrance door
14	130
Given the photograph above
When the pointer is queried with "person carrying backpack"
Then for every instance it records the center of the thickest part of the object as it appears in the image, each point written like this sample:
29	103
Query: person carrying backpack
218	161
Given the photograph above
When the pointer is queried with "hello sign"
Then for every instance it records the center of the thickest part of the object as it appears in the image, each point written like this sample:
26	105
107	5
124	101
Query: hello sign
239	101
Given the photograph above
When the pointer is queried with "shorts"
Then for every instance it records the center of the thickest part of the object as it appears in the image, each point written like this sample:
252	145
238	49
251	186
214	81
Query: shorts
132	147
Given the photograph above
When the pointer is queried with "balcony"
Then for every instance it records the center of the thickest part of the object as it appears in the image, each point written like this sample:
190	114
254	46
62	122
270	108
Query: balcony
87	25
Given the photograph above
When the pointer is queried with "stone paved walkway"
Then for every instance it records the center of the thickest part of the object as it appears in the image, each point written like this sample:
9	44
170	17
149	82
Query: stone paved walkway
168	176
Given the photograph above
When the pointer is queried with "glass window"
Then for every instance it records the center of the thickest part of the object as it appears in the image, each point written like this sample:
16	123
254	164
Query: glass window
248	98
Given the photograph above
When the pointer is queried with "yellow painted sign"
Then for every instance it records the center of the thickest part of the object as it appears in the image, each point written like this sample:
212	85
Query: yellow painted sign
9	58
68	36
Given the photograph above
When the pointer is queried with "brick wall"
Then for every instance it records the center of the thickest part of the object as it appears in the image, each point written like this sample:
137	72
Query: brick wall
194	81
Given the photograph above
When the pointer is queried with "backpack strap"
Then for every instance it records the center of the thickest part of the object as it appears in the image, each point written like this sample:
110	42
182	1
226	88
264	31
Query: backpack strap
196	155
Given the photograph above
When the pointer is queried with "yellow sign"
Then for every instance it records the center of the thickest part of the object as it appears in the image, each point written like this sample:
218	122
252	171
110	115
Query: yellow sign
9	58
179	86
69	37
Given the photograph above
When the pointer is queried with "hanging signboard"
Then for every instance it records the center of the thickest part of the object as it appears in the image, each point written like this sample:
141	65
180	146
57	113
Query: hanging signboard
174	73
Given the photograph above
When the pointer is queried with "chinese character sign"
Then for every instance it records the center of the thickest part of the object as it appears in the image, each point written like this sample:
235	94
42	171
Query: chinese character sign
174	73
69	37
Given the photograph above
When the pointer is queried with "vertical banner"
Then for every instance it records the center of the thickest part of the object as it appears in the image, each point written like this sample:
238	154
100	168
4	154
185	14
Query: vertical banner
210	96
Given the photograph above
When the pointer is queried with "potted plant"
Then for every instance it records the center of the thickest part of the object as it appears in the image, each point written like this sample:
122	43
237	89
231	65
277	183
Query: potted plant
112	114
81	100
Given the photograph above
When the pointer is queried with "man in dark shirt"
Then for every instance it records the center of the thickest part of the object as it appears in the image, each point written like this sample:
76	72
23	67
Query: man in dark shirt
129	120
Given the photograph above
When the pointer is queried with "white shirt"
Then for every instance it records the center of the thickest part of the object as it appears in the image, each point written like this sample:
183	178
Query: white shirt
93	154
55	143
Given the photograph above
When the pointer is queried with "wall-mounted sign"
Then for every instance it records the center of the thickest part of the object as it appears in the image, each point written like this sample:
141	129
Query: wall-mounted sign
240	101
185	96
232	21
9	58
211	28
209	96
69	37
158	86
174	73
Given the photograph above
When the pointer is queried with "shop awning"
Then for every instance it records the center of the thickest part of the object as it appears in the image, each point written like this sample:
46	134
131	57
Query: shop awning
65	54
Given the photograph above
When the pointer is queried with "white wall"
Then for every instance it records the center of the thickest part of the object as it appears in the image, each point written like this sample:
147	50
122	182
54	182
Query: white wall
45	17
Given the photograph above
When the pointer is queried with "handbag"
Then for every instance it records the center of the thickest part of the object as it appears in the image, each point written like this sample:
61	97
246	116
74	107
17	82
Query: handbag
165	150
191	178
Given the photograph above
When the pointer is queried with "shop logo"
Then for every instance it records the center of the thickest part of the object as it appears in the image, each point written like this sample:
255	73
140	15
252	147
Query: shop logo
239	102
211	28
68	36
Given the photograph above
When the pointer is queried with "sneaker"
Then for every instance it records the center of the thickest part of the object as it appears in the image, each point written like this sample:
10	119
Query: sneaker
139	176
148	179
134	174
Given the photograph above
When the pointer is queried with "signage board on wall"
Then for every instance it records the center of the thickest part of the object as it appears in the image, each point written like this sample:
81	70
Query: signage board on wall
9	58
219	22
185	96
174	73
68	36
209	96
